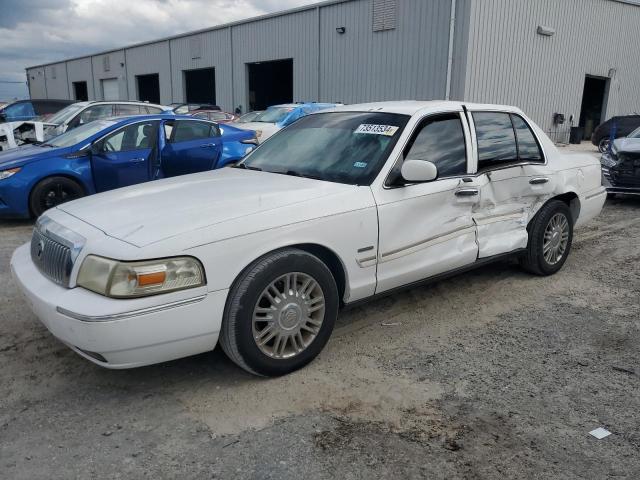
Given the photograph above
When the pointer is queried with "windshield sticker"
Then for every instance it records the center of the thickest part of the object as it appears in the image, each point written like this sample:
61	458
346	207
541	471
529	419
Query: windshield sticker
387	130
360	165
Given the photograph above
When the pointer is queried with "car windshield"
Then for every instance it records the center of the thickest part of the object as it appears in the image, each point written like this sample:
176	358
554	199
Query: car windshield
65	114
79	134
343	147
635	133
249	117
273	114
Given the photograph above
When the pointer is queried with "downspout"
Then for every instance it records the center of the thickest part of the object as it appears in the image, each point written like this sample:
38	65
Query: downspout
452	30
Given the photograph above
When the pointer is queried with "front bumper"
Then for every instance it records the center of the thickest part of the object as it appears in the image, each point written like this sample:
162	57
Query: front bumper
613	188
117	333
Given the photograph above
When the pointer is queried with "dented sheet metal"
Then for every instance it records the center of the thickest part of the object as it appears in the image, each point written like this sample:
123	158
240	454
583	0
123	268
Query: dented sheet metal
14	134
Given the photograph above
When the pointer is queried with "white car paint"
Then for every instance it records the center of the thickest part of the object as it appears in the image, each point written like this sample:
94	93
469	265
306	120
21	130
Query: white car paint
14	134
383	237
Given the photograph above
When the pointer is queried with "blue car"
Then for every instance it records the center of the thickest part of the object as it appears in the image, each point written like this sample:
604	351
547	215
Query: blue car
277	117
112	153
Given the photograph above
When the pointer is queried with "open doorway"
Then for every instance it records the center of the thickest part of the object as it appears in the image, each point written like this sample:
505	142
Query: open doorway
594	100
149	87
270	83
80	92
200	85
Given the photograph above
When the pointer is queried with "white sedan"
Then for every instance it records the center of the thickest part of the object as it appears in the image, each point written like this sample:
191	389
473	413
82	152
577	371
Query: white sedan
341	206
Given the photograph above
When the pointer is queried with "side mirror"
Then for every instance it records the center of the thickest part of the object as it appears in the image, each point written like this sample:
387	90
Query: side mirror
417	171
3	118
95	148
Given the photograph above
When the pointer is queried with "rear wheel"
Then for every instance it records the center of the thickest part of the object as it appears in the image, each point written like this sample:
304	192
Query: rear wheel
280	313
51	192
550	237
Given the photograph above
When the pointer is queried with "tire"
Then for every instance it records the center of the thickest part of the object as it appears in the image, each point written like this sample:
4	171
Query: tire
51	192
545	224
603	144
251	317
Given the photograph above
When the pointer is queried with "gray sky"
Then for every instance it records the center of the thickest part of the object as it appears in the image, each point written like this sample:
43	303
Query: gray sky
33	32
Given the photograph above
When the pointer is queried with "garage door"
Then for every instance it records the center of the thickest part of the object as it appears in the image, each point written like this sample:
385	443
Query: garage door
110	90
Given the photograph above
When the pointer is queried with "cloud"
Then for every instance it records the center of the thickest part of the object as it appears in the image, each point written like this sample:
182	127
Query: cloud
33	32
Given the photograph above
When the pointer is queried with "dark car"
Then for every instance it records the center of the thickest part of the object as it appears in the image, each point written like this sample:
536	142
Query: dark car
621	165
21	110
624	125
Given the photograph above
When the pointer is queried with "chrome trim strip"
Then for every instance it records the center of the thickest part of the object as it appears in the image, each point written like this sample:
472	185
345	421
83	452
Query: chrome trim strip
603	192
422	242
506	215
362	261
133	313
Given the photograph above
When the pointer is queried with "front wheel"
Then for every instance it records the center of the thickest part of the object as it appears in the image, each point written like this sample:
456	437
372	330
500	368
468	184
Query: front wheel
603	144
550	237
280	313
51	192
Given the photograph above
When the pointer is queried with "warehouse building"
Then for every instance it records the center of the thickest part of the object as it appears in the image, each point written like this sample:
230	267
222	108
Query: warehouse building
565	62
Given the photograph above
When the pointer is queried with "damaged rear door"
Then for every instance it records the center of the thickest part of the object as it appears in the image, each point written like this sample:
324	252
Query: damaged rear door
512	179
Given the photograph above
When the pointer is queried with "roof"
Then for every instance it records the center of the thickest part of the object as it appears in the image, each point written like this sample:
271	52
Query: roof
132	102
411	107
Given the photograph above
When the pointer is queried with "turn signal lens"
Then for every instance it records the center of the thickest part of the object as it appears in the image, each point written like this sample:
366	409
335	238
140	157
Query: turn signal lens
138	279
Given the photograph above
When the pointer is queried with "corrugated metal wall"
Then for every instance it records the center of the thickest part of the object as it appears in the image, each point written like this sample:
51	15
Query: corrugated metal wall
213	50
57	82
37	82
498	57
110	66
80	71
408	62
289	36
508	62
148	59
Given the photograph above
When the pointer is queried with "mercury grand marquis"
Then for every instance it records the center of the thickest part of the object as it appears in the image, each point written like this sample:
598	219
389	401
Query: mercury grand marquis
343	205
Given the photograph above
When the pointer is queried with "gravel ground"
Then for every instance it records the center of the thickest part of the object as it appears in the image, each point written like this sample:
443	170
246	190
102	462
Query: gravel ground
492	374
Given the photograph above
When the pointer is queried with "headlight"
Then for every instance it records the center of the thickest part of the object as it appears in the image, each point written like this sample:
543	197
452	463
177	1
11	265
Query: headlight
607	161
7	173
139	279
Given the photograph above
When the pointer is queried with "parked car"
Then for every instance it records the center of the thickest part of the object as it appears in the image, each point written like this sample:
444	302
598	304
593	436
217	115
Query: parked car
621	165
185	108
248	117
279	116
624	125
72	116
112	153
214	115
337	208
21	110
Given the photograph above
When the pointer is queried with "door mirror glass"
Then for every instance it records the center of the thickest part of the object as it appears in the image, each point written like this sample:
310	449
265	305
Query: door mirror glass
416	171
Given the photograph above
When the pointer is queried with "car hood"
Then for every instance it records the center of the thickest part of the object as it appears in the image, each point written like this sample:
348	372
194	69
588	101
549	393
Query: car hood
627	144
263	130
19	156
218	204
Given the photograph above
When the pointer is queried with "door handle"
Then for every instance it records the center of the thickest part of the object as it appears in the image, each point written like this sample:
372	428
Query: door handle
467	192
207	145
538	180
136	160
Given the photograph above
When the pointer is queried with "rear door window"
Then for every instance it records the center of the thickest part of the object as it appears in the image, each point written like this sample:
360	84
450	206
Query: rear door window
96	112
124	109
189	130
496	139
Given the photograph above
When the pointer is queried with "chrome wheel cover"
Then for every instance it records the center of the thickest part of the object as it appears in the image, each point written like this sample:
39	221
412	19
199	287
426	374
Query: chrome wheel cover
556	239
288	315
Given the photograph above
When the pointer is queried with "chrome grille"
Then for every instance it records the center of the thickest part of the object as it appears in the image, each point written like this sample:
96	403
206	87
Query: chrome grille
52	258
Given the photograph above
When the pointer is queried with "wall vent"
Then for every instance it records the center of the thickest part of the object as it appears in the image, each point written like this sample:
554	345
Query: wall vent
384	15
106	63
195	47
